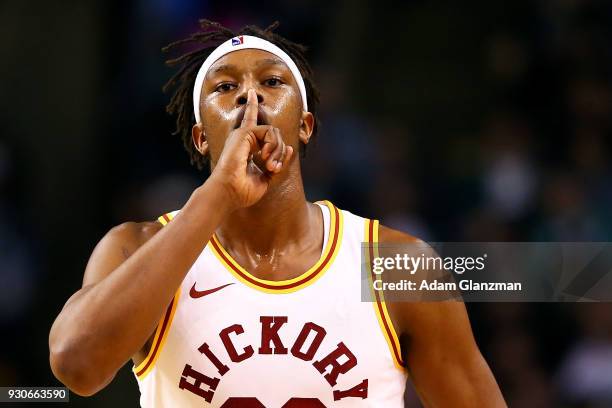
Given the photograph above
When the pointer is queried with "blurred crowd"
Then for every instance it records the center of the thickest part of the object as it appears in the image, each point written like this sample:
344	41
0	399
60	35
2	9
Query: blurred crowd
452	122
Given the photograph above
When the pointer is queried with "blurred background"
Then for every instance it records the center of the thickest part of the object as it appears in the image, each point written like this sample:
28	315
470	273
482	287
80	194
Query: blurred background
487	121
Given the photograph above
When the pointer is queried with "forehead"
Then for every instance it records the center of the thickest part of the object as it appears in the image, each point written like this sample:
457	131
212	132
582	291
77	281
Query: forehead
246	59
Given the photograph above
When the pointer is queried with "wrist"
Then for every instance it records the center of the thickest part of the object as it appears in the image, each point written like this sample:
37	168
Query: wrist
218	197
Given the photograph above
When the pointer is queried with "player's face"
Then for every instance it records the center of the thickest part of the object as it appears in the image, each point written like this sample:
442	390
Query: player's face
224	96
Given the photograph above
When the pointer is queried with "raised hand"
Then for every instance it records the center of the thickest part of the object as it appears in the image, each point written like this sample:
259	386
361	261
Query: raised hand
253	154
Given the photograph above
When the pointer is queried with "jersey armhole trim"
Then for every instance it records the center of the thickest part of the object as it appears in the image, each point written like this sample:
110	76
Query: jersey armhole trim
161	334
166	218
163	327
378	301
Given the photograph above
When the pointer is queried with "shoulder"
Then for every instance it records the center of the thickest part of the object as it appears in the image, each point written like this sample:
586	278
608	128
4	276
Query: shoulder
390	235
130	236
409	317
127	237
133	233
119	243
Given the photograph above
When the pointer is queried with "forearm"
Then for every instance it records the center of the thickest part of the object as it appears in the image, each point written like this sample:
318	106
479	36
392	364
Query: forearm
104	324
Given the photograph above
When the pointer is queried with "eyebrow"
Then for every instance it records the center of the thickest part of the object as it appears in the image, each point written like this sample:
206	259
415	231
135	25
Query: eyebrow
269	61
230	67
224	67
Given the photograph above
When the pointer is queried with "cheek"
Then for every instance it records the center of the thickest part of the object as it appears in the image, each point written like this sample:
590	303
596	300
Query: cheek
217	123
215	112
283	103
288	105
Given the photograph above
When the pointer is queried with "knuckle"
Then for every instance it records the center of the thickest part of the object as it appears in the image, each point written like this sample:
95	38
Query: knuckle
246	136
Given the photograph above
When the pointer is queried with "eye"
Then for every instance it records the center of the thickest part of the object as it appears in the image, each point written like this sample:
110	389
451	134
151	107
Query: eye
225	87
273	82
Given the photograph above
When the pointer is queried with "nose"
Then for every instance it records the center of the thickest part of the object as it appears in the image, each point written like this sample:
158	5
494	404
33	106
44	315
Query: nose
241	98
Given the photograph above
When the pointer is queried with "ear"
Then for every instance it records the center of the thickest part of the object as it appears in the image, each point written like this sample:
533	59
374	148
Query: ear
306	127
199	139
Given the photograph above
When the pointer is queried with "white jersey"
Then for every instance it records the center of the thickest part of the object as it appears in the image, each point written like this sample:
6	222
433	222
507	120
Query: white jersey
230	339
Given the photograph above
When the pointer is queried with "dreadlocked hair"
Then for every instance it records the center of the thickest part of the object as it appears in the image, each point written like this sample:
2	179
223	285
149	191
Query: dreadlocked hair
211	35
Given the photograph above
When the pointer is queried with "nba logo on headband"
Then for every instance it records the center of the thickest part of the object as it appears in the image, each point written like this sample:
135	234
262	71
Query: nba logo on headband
237	40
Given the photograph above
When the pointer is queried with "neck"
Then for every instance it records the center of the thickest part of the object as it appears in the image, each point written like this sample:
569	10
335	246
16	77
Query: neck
279	220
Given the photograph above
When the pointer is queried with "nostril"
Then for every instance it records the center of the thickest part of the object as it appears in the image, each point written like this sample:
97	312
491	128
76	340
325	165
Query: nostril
242	100
259	99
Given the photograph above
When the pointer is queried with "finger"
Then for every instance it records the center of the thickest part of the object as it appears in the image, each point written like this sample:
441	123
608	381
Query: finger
283	147
253	144
266	150
274	159
251	110
263	133
288	156
285	160
283	163
268	139
279	162
270	147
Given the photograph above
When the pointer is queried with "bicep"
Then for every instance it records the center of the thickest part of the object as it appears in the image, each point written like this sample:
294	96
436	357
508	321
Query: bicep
445	364
108	255
444	361
112	250
115	248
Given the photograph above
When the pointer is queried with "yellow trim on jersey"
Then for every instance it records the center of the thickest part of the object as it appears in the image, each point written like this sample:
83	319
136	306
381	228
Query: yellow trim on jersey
276	287
158	344
168	316
166	218
392	340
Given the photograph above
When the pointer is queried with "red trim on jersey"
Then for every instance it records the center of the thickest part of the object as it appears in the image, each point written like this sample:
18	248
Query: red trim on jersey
166	217
378	302
159	338
334	242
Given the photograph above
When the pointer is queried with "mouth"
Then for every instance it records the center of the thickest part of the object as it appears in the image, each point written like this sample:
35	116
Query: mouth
262	118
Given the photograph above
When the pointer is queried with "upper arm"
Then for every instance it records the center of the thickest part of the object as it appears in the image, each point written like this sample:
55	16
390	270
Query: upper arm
440	351
116	246
444	361
112	250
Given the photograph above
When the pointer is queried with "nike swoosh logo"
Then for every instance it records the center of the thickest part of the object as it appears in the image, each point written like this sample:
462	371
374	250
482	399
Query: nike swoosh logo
194	293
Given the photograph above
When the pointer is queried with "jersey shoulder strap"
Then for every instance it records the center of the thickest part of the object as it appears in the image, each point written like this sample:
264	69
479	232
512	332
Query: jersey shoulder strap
167	217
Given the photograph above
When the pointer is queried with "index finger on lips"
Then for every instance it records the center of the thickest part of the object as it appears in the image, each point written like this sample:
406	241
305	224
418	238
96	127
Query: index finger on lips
251	110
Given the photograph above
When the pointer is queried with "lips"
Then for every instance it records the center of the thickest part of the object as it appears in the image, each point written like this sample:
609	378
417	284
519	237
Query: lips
262	118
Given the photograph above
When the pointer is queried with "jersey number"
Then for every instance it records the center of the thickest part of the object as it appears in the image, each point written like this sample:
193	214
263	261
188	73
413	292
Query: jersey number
252	402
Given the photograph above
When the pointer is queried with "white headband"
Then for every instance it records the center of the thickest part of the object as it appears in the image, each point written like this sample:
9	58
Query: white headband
240	43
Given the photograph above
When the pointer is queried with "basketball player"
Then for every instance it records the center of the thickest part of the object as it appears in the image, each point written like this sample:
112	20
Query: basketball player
249	296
